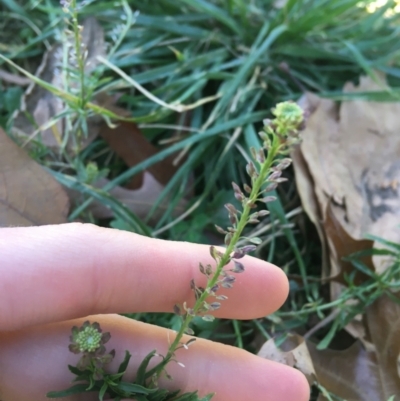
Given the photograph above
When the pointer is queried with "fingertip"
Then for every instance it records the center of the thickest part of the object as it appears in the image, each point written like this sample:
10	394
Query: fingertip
282	382
300	384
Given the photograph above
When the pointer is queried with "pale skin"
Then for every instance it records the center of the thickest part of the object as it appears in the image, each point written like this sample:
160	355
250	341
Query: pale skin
54	277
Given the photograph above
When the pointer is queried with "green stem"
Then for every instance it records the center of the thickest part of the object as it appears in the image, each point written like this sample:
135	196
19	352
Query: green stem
79	56
255	193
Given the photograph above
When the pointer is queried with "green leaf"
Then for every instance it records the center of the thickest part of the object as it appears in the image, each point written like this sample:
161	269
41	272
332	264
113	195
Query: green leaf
77	389
124	363
141	372
103	391
135	388
75	370
207	397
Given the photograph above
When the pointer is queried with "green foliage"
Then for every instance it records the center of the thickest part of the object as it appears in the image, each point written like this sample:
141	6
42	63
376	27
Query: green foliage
113	386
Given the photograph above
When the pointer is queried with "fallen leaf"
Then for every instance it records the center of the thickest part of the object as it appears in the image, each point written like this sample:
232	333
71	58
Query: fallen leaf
351	151
133	147
28	194
295	354
140	200
357	373
383	322
341	244
305	187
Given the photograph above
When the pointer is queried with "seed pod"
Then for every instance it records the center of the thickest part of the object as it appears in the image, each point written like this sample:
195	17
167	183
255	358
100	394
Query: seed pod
284	163
214	288
231	209
253	153
276	174
251	170
270	187
239	195
214	253
215	305
247	188
232	219
260	156
228	238
238	254
209	270
269	199
220	230
248	248
189	331
202	269
281	179
263	213
239	268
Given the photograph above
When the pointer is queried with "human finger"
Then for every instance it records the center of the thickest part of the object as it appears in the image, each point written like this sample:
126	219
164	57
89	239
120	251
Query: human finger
54	273
34	361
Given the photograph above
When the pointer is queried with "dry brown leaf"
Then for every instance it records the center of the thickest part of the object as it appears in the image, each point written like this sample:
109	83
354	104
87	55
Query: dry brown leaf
140	200
305	185
341	244
355	374
132	146
383	322
294	353
352	153
28	194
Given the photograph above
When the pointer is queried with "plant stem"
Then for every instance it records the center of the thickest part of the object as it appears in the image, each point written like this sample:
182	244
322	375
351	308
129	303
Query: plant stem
78	50
254	195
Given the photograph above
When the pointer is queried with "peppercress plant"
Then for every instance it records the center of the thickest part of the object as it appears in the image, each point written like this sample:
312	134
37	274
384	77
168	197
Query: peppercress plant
265	172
